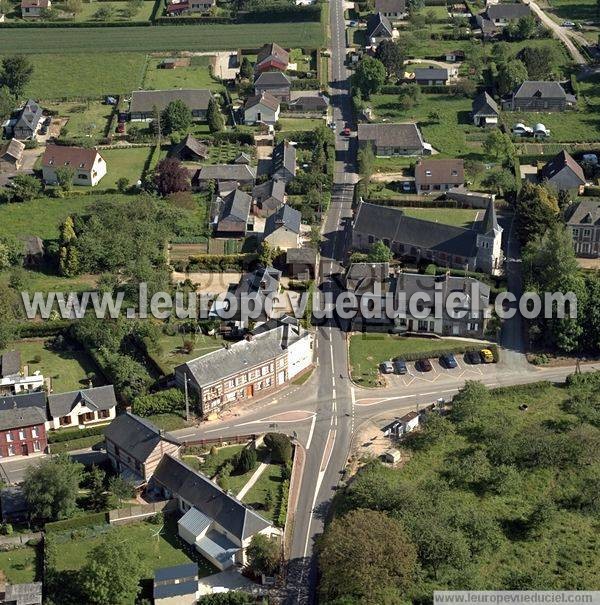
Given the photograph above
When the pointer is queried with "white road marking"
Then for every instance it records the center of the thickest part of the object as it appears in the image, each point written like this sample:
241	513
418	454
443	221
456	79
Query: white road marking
312	430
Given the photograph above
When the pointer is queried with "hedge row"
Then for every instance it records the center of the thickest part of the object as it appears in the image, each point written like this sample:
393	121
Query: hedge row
215	262
163	402
91	520
281	514
189	20
71	24
159	367
306	84
279	13
455	349
43	328
234	136
69	435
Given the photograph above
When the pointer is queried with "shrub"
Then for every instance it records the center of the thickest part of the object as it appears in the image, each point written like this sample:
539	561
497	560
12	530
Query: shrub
279	446
245	461
69	435
163	402
6	529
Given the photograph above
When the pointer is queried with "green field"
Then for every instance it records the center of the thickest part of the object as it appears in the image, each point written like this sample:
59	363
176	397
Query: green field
88	9
86	119
295	124
367	351
88	74
584	10
449	216
19	565
269	481
39	281
197	75
170	348
148	39
69	369
128	163
16	219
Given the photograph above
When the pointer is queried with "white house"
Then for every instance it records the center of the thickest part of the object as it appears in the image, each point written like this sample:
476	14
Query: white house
13	379
87	164
217	525
282	228
262	109
82	408
34	8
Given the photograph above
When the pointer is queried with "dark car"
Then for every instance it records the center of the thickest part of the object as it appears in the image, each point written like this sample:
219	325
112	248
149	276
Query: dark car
399	366
44	130
48	121
424	365
448	361
472	357
346	131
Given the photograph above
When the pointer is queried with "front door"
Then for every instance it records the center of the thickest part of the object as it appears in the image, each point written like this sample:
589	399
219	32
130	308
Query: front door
24	449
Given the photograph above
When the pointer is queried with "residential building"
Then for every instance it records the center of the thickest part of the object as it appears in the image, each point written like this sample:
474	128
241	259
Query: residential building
392	9
583	221
393	139
282	228
268	197
23	425
271	57
87	164
301	263
283	162
563	173
438	175
242	158
26	122
238	175
83	408
257	365
275	83
366	278
14	379
190	149
475	248
378	28
145	103
232	214
20	594
262	109
484	110
453	56
539	96
135	447
11	155
182	7
503	13
177	585
308	101
470	199
432	76
34	9
215	524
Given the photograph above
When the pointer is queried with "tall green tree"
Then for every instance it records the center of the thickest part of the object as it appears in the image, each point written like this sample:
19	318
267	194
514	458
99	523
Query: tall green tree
64	177
8	101
366	161
264	555
390	54
176	117
51	488
214	117
369	76
510	75
498	144
246	69
536	211
25	187
540	61
68	262
97	492
380	253
16	73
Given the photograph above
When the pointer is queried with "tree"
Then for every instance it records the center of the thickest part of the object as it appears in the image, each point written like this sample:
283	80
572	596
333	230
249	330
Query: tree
263	554
120	488
112	572
390	54
64	177
540	61
133	7
279	446
266	253
68	253
7	101
466	87
369	76
123	184
526	27
104	13
410	95
535	212
97	493
510	75
498	144
7	316
73	6
501	181
364	555
434	116
227	598
11	252
366	160
25	187
176	117
16	73
591	317
246	70
246	461
214	117
171	176
380	253
51	488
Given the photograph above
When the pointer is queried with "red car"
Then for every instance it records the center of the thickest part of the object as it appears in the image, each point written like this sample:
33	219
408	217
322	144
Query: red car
346	131
121	127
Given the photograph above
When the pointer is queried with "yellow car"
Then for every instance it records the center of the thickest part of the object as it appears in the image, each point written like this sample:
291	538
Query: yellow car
487	356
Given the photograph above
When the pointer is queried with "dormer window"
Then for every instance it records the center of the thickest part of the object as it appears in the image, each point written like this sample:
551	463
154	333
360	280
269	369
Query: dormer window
454	173
428	173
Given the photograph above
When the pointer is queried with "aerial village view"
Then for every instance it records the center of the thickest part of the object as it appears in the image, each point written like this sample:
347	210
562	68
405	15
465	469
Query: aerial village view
299	302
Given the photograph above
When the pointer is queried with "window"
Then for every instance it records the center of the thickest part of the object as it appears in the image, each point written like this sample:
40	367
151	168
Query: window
64	420
472	326
34	432
36	446
104	414
22	434
9	437
371	239
423	325
575	232
11	450
587	232
83	177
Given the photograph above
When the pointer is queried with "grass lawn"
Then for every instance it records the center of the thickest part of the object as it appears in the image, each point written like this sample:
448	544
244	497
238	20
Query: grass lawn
88	74
68	369
449	216
212	462
38	281
171	351
86	119
156	549
295	124
164	38
19	565
269	481
88	10
128	163
16	219
367	351
197	75
584	10
169	422
75	444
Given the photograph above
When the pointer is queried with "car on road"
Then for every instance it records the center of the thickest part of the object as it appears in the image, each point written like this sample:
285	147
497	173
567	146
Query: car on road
448	361
399	366
423	365
486	356
568	24
472	357
346	131
386	367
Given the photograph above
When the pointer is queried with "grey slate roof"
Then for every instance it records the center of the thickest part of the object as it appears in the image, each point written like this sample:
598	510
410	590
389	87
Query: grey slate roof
584	213
362	277
284	158
390	223
301	255
272	79
391	135
135	435
541	89
176	572
242	158
378	21
144	101
209	498
23	594
562	160
192	144
308	100
97	398
236	206
507	11
269	189
286	216
13	149
10	363
265	98
431	73
167	591
29	116
22	410
226	172
483	104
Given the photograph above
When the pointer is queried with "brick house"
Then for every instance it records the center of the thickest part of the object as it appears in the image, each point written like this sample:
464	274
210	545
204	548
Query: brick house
22	425
271	57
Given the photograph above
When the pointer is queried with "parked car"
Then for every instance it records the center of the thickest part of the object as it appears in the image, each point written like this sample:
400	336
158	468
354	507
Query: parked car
399	365
486	356
406	186
44	129
386	367
110	100
121	127
424	365
472	357
448	361
48	121
353	23
346	131
568	24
